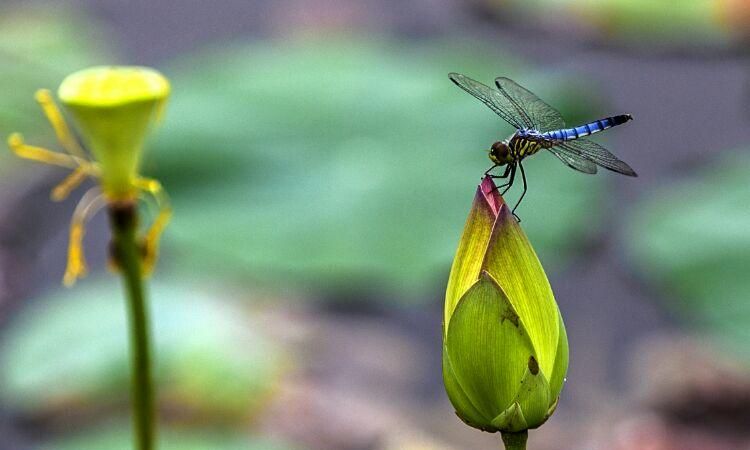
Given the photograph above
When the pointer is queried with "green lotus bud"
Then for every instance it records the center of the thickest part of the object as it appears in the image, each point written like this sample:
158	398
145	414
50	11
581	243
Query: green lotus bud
505	351
114	108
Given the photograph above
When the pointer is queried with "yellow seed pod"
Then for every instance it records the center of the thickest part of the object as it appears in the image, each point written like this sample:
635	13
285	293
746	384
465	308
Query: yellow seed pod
114	109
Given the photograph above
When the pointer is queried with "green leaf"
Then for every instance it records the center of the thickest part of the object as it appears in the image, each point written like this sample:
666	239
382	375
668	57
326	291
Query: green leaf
120	437
291	165
71	346
40	45
691	240
488	350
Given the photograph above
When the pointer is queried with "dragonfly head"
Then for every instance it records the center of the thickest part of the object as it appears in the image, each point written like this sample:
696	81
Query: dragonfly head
500	153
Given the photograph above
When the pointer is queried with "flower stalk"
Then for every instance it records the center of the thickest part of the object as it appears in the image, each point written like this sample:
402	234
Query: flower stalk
113	108
126	254
515	441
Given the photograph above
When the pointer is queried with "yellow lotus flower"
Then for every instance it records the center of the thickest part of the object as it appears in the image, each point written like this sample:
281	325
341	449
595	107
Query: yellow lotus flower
505	350
113	109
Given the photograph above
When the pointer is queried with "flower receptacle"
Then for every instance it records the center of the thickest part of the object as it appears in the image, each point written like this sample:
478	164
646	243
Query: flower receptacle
114	108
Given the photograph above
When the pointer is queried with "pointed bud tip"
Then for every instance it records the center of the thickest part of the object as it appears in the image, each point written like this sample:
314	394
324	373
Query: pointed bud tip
491	196
505	216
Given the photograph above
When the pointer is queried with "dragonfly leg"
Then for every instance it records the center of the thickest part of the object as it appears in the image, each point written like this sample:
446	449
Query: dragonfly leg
509	184
523	177
504	175
487	172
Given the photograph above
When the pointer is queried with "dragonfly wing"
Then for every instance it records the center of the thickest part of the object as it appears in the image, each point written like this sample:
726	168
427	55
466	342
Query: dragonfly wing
536	113
598	154
492	98
573	160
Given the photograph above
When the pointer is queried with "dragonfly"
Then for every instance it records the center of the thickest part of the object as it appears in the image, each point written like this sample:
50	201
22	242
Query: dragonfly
540	126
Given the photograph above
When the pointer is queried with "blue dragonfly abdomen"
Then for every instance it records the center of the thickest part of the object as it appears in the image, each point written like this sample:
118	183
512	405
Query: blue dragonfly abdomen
568	134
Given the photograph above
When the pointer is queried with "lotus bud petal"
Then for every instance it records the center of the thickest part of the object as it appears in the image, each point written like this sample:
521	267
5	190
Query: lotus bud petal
505	350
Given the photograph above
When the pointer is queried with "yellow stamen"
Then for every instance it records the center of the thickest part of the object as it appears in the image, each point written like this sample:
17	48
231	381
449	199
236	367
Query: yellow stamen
66	186
16	143
92	201
151	240
96	97
153	235
76	261
56	119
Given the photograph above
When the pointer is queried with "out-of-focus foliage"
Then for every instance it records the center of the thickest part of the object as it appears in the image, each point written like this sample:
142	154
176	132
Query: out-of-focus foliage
70	348
648	23
120	437
692	239
332	163
39	47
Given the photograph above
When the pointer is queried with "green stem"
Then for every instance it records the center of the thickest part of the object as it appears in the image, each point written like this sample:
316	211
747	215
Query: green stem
515	441
127	256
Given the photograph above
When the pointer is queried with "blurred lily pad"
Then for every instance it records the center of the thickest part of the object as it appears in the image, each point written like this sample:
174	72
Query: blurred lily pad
120	437
334	164
70	349
39	46
692	239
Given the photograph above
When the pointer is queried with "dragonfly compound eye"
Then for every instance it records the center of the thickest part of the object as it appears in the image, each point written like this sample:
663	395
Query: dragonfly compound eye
499	152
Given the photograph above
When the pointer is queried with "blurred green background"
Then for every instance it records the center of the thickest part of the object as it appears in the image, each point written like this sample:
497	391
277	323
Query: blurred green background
321	166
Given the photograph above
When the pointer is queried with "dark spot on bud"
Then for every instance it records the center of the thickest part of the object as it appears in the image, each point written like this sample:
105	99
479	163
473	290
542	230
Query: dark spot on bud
533	366
510	315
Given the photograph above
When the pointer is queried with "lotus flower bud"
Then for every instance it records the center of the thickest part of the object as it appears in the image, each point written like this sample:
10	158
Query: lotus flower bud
505	351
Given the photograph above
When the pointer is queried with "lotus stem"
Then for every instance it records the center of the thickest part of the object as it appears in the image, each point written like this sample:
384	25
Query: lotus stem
126	254
515	441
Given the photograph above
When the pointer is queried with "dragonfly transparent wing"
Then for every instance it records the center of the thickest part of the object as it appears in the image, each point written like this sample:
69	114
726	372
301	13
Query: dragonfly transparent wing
573	160
492	98
536	114
598	154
